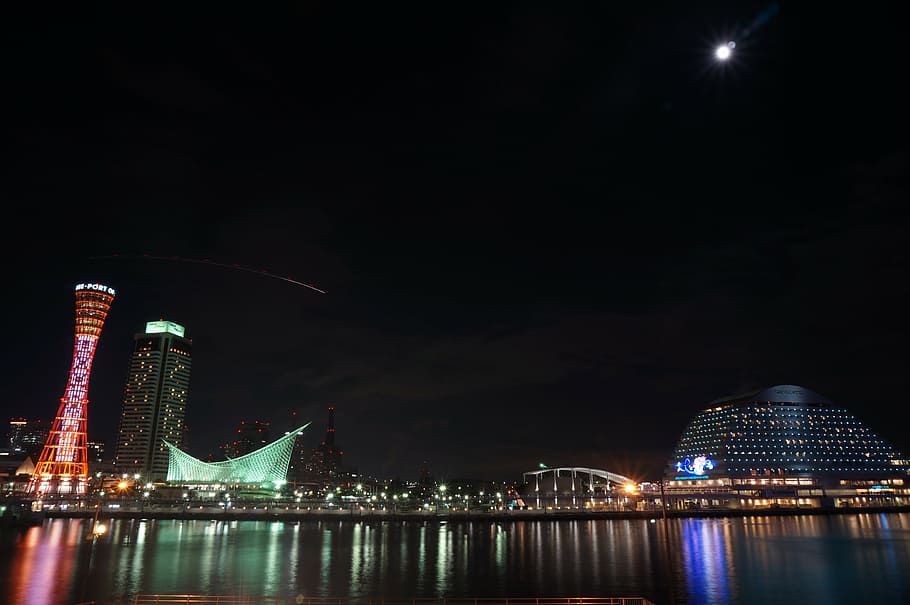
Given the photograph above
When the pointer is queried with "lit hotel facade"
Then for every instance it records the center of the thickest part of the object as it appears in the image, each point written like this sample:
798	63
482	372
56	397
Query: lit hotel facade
785	446
154	400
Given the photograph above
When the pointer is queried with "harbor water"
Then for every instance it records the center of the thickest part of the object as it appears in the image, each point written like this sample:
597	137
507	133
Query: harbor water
837	558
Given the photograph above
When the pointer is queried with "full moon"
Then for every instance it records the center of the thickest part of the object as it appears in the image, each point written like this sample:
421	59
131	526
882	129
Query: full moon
724	51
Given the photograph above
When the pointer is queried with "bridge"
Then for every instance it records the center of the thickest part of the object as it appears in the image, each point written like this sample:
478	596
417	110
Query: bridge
582	479
574	486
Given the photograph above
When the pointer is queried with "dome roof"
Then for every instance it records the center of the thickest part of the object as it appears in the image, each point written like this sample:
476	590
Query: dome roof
781	393
790	393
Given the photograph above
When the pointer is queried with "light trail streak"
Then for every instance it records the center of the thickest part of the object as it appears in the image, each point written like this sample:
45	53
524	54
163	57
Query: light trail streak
205	261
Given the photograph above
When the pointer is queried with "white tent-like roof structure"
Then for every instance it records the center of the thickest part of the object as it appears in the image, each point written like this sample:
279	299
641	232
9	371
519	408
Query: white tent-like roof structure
268	464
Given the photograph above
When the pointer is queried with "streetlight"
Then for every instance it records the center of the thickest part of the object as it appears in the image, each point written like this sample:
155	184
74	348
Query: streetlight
441	496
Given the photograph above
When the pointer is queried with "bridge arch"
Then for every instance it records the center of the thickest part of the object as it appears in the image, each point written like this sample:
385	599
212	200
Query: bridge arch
574	472
573	486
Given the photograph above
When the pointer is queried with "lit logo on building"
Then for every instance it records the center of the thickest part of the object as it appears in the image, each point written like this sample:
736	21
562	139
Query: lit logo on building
98	287
696	467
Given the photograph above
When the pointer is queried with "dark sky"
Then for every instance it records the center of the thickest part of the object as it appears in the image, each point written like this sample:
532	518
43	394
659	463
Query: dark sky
548	232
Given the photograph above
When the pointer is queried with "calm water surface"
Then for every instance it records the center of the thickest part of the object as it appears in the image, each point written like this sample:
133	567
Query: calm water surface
801	559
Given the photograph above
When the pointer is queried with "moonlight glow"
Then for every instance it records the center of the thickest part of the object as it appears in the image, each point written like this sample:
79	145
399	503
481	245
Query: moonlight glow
724	51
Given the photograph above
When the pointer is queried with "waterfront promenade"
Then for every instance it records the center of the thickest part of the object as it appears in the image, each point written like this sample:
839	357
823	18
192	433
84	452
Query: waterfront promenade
198	599
293	513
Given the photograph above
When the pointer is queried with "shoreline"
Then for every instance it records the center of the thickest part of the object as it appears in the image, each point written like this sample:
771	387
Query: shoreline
498	516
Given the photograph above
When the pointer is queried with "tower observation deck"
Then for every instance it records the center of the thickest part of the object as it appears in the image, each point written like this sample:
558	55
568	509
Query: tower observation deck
62	467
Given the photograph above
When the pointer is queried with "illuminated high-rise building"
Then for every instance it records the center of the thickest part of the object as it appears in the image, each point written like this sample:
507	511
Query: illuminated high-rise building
28	435
62	467
328	454
320	465
154	400
16	429
96	451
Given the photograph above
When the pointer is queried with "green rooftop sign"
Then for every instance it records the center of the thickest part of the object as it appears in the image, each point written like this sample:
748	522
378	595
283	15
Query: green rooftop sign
156	327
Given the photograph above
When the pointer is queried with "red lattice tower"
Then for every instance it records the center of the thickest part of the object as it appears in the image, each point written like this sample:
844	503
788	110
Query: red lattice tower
62	467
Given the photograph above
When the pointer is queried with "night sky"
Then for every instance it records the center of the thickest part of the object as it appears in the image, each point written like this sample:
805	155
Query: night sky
547	232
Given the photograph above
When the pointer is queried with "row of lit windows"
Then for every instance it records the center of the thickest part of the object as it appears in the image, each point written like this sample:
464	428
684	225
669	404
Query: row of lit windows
784	420
862	461
811	451
832	415
806	417
798	457
802	433
825	469
750	424
823	439
797	423
681	453
740	439
789	409
88	320
787	406
850	445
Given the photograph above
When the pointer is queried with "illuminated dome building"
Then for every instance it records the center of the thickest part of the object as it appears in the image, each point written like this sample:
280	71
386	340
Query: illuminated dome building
784	446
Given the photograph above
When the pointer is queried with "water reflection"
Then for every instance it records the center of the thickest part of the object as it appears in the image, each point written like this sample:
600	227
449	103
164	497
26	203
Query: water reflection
705	560
830	559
